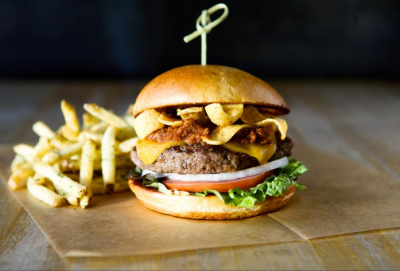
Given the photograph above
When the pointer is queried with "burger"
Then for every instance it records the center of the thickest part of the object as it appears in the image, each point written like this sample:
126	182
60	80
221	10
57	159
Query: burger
212	145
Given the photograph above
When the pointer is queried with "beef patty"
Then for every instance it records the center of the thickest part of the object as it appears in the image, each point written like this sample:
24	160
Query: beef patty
204	158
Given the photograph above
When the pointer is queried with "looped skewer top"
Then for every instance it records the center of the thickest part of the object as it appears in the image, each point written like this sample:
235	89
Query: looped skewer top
204	25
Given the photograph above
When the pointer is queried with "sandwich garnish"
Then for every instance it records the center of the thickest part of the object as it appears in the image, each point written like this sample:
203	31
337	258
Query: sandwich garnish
273	186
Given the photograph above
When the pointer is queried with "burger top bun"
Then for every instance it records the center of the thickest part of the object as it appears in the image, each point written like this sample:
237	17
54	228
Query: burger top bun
209	207
198	85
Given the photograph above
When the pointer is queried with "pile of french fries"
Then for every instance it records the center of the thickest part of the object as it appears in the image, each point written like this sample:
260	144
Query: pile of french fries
75	163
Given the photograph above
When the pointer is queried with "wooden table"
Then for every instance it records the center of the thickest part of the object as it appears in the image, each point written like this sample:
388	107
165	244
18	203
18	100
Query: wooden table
356	119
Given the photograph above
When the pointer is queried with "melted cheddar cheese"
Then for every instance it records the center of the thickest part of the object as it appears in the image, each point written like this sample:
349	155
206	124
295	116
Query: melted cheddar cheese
149	150
261	152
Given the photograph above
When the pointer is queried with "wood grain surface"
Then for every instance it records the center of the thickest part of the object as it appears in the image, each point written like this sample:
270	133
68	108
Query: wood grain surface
356	119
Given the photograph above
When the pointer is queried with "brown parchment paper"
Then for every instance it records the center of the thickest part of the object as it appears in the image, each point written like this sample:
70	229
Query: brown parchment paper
121	225
341	197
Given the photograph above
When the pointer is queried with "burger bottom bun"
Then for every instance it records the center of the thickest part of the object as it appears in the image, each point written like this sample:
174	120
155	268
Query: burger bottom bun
209	207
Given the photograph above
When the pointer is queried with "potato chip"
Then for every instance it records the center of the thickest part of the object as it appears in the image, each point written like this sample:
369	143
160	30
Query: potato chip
147	122
167	120
253	117
196	113
223	115
223	134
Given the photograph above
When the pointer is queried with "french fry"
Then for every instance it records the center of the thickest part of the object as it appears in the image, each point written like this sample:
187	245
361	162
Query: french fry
96	137
100	127
106	116
57	167
104	144
89	120
87	162
71	150
85	200
69	134
129	111
76	157
17	162
42	130
41	149
49	186
74	201
51	157
130	120
72	176
108	159
59	180
86	173
19	178
121	161
39	179
44	194
26	151
60	143
67	195
126	133
127	146
70	117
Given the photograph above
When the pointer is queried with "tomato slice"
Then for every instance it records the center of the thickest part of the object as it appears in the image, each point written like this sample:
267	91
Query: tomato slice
222	186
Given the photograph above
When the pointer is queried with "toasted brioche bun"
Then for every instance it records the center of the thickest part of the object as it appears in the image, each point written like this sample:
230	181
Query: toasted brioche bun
198	85
209	207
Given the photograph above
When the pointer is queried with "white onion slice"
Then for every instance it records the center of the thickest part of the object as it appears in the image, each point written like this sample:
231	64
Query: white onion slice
222	176
156	174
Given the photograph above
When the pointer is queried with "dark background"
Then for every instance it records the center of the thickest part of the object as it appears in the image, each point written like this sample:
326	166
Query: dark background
121	39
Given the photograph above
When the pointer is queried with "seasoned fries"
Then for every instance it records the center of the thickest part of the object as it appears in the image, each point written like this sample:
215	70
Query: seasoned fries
87	162
89	120
19	178
96	137
127	146
71	150
86	173
69	134
108	159
70	117
41	149
74	163
60	180
106	116
44	194
100	127
42	130
121	161
26	151
17	163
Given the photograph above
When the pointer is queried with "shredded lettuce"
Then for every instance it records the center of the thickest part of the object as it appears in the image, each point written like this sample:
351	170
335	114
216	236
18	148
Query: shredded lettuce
273	186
